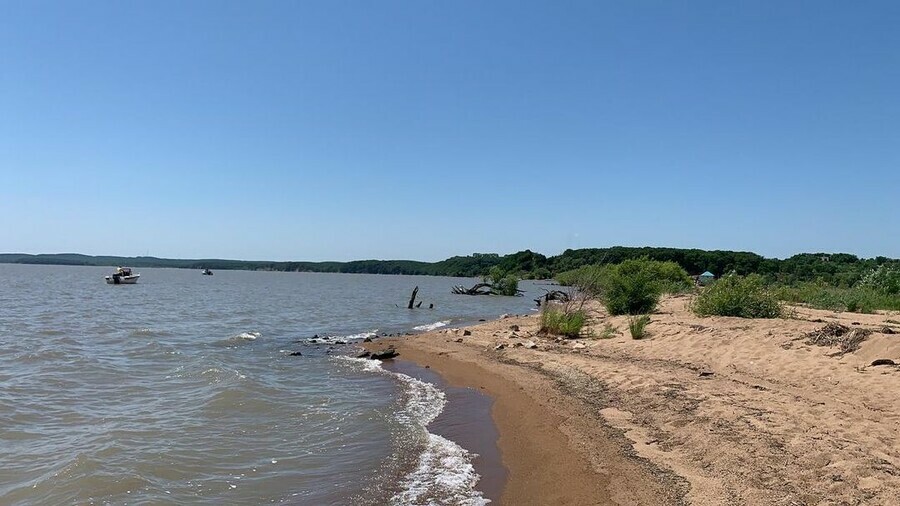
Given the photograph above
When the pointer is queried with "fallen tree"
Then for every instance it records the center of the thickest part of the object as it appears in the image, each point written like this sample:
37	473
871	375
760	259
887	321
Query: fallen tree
485	289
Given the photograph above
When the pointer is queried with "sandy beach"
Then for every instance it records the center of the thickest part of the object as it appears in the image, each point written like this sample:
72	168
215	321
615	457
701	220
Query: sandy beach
703	411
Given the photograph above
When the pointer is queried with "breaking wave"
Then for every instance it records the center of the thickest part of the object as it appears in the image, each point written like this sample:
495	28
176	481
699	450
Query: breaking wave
444	474
432	326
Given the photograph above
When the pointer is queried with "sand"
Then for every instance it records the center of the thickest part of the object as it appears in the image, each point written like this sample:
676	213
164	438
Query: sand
704	411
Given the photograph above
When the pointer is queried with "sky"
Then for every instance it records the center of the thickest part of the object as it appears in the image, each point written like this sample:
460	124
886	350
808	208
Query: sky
420	129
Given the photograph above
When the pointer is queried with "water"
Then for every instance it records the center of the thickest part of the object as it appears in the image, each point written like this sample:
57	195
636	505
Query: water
180	389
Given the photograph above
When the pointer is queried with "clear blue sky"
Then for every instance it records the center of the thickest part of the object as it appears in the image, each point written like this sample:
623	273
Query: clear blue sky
424	129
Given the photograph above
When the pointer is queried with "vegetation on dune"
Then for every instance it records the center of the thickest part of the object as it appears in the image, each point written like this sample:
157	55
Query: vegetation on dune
559	321
631	287
637	326
859	299
733	295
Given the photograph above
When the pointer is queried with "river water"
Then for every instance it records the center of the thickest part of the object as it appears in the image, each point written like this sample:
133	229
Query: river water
181	389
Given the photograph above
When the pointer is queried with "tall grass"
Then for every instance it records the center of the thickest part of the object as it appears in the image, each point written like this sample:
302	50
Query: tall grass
637	326
743	296
560	322
859	299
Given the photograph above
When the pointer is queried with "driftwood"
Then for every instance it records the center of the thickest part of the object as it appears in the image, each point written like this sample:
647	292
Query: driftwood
412	298
553	295
479	289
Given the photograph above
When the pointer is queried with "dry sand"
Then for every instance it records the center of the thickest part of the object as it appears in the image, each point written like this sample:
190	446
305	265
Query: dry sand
704	411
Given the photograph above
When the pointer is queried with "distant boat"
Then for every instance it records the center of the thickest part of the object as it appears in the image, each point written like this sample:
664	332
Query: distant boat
122	276
206	272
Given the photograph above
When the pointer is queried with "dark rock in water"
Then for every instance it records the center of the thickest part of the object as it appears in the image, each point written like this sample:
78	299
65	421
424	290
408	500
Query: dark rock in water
340	342
367	340
467	332
295	354
482	320
365	354
883	361
316	336
384	354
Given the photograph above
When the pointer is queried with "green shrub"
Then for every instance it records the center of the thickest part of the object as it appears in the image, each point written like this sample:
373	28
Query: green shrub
631	288
885	279
597	280
588	280
560	322
860	299
508	285
741	296
637	326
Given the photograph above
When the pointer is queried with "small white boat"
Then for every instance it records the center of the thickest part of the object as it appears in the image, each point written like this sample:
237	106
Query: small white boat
206	272
122	276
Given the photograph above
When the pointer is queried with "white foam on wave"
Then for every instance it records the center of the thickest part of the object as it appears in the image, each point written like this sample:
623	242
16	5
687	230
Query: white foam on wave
249	336
444	474
343	339
432	326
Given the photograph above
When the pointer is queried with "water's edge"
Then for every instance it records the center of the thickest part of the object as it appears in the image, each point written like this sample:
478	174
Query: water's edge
467	421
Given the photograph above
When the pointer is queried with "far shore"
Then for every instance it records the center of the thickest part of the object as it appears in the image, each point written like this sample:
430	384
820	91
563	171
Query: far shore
705	411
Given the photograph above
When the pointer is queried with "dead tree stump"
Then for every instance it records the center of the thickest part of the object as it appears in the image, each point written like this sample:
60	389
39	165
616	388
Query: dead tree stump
412	299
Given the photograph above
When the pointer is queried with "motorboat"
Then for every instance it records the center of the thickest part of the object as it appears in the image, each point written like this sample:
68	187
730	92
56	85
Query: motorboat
122	276
207	272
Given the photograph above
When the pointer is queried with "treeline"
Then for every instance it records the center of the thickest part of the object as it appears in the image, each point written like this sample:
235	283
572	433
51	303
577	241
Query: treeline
839	270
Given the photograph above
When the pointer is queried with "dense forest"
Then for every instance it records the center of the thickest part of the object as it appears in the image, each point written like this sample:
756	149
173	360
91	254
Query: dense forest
835	269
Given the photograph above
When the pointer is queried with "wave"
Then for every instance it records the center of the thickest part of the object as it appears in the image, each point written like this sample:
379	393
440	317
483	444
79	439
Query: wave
240	339
342	339
432	326
444	474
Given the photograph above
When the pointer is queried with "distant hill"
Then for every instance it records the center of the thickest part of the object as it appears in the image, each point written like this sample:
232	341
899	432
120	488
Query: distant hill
834	268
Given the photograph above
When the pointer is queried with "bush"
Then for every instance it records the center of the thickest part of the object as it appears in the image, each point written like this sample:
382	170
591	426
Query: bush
637	326
502	282
508	285
632	287
861	299
560	322
885	279
741	296
588	280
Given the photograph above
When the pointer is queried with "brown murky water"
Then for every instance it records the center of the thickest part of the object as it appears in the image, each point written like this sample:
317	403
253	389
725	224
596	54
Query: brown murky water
181	389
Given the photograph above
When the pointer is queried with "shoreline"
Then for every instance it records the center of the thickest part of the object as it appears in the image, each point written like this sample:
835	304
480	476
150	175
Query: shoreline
466	420
535	420
704	411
